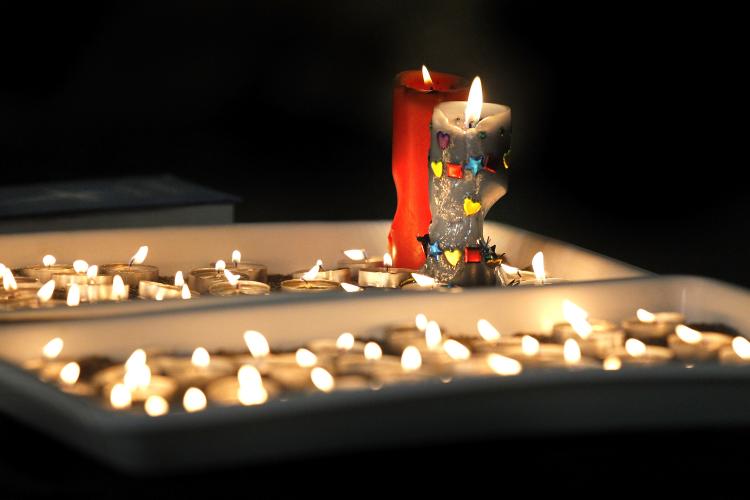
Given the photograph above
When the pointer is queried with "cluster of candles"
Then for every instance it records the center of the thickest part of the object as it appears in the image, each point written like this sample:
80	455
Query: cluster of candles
51	283
159	383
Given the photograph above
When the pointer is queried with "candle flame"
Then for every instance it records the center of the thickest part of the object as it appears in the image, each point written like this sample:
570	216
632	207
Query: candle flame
387	260
118	288
487	331
411	359
179	279
194	400
236	257
474	105
373	351
578	318
420	320
345	342
137	358
249	375
250	395
53	348
119	397
537	264
49	260
200	358
185	293
426	78
9	282
232	278
137	377
356	254
423	280
46	291
611	363
351	288
256	343
74	295
313	272
741	347
80	266
220	266
70	373
140	256
456	350
92	271
571	351
635	348
305	358
322	379
530	346
432	335
509	269
688	335
503	365
156	406
644	316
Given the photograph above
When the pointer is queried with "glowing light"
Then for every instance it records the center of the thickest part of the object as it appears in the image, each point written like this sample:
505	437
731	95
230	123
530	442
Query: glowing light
156	406
688	335
220	266
426	78
137	377
423	280
644	316
530	346
741	347
137	358
74	295
456	350
487	331
46	291
432	335
503	365
313	272
348	287
474	105
578	319
185	293
635	347
356	254
140	256
232	278
612	363
571	351
373	351
537	264
53	348
200	358
250	395
179	279
194	400
92	271
345	342
160	294
420	320
509	269
411	359
387	260
119	397
80	266
256	343
236	257
49	260
322	379
305	358
249	375
9	282
70	373
119	292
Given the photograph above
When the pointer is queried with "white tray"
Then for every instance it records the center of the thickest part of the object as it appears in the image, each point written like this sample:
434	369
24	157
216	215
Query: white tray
283	247
533	403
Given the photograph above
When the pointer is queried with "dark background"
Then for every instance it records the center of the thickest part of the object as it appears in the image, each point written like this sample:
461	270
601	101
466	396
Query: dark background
628	119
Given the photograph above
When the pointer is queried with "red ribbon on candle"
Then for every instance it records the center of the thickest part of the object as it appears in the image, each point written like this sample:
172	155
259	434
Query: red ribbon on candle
413	101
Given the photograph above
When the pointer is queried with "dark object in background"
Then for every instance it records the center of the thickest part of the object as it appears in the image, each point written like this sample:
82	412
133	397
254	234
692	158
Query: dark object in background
139	201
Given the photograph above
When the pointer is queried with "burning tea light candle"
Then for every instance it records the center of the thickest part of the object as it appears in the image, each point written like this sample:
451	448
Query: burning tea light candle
194	400
248	388
540	272
68	381
202	278
156	406
82	274
236	286
135	270
48	366
384	277
738	353
155	290
252	271
597	338
637	353
339	275
692	345
653	327
46	270
490	339
356	260
116	291
310	283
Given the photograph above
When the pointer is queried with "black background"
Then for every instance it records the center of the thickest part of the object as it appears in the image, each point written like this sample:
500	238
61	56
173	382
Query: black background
628	118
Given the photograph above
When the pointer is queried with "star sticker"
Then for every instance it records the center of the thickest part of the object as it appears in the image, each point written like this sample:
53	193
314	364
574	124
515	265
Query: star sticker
474	164
435	251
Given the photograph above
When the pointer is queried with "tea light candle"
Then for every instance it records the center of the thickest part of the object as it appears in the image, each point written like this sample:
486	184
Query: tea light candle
540	273
597	338
202	278
510	276
636	352
692	345
153	290
196	371
68	381
384	277
356	260
738	353
652	327
43	272
533	353
309	286
50	353
248	388
489	339
134	271
114	292
253	271
81	274
239	287
398	337
344	343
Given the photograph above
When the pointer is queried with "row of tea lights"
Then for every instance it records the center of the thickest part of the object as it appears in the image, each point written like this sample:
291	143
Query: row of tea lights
422	351
51	283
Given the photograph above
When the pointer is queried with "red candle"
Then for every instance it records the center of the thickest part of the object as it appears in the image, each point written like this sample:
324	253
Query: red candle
415	94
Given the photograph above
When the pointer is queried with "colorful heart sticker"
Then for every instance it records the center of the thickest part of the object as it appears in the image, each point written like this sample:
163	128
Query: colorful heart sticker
437	168
452	256
443	140
471	207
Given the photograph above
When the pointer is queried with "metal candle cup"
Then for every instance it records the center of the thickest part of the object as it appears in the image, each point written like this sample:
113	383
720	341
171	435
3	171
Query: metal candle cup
64	279
653	355
706	349
225	390
253	271
44	273
154	290
339	275
384	277
355	266
102	293
18	299
604	338
242	287
309	286
655	331
131	274
202	278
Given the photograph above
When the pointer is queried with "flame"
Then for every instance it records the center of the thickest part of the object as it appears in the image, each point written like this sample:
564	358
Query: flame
356	254
348	287
140	256
644	316
92	271
688	335
236	257
456	350
120	397
185	293
411	359
9	282
420	320
503	365
118	288
426	78
509	269
530	346
74	295
232	278
137	377
611	363
322	379
432	335
156	406
200	358
137	358
578	318
249	375
373	351
537	264
80	266
635	347
70	373
160	294
53	348
220	266
345	342
179	279
305	358
194	400
423	280
741	347
487	331
256	343
571	351
46	291
474	105
251	390
49	260
387	260
313	272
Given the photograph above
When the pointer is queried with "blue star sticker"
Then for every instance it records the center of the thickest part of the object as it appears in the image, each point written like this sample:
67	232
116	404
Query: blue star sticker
435	251
474	164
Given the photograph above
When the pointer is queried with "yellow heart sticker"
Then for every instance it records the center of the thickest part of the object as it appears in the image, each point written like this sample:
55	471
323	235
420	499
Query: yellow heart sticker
471	207
452	256
437	168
